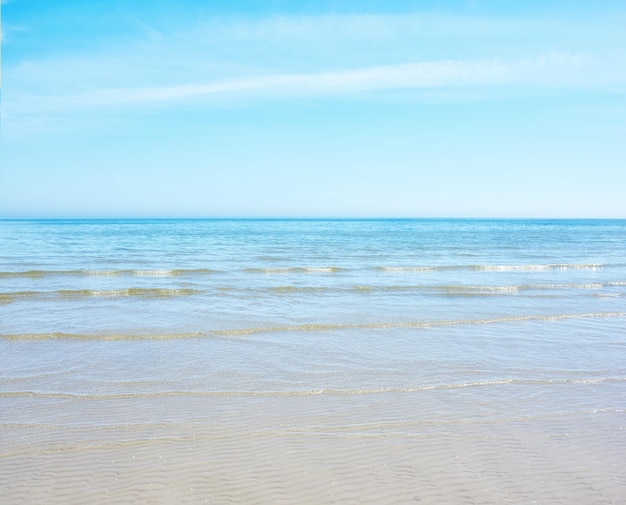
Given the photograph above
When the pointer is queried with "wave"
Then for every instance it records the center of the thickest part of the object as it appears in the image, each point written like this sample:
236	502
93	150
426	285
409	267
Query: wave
306	328
303	289
178	272
495	268
315	392
443	290
505	290
294	270
532	268
91	293
450	289
592	285
440	268
58	335
34	274
312	327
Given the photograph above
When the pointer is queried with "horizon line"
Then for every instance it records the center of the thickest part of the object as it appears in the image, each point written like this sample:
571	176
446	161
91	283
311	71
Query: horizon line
309	218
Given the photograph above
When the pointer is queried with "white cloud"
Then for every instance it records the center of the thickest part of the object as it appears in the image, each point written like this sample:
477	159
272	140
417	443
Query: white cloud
316	56
543	70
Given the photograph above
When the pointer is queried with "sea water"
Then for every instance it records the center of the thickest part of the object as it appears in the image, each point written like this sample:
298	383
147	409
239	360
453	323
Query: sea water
384	360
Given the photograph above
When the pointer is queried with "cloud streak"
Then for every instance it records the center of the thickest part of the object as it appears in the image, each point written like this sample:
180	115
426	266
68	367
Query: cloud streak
239	61
543	70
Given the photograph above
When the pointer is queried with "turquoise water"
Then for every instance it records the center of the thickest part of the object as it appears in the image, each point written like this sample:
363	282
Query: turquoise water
290	305
141	332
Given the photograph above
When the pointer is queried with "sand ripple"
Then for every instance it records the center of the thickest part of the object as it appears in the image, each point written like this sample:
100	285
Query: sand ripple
285	450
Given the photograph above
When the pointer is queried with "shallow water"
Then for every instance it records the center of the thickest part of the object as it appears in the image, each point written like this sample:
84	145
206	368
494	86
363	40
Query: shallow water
312	361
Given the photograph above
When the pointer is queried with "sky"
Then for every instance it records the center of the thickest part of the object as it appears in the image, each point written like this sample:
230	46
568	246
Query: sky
313	108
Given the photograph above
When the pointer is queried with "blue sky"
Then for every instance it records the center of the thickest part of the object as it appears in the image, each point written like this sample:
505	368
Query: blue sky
313	108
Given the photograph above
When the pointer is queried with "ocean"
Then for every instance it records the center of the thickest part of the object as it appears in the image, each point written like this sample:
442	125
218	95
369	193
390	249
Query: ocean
312	361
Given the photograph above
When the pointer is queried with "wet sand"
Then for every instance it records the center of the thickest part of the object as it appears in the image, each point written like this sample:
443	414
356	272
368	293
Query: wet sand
383	448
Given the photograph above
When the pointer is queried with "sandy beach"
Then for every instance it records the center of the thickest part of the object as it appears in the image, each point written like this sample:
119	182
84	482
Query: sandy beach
370	448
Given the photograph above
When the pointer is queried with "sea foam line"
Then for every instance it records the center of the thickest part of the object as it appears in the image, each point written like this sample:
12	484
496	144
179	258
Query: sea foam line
310	327
314	392
8	297
176	272
522	268
495	268
452	290
296	270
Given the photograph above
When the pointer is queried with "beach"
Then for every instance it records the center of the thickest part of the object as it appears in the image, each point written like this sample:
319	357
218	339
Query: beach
312	361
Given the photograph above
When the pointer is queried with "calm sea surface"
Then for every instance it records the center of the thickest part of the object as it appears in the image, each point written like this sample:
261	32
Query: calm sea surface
115	331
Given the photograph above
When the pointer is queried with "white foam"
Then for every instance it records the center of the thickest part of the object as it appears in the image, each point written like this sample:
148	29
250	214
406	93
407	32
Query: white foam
154	273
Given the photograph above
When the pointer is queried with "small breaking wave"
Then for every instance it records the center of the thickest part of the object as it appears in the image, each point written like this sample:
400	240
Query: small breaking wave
177	272
92	293
58	335
592	285
293	270
419	269
309	328
477	290
287	290
315	392
35	274
538	268
460	289
494	268
418	324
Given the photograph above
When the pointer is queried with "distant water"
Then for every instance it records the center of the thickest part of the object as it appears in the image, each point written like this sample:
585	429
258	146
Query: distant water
177	326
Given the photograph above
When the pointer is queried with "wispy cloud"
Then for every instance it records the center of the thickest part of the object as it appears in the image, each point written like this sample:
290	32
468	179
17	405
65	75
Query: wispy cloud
149	30
543	70
316	56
